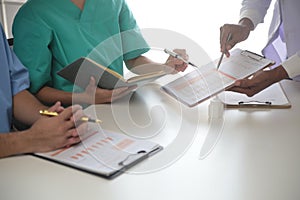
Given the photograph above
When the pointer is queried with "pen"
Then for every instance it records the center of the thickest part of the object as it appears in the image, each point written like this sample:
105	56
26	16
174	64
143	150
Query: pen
175	55
85	119
222	55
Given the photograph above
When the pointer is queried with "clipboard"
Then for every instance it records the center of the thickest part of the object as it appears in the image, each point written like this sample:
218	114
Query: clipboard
207	81
104	153
272	97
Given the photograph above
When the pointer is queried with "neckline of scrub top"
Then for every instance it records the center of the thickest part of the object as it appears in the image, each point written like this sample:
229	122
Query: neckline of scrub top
81	14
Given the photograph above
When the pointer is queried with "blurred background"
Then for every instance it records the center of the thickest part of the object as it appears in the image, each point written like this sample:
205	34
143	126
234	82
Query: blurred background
198	20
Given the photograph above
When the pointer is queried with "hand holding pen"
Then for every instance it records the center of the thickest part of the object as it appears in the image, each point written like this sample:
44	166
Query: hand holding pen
231	34
84	119
178	59
222	55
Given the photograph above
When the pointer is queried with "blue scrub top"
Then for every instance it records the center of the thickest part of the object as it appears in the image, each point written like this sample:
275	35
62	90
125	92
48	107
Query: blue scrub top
14	78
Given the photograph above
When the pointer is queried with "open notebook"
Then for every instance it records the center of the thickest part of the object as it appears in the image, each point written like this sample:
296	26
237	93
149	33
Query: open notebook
80	71
207	81
104	153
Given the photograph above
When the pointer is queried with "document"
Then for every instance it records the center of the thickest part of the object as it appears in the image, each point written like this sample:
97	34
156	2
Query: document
80	71
271	97
104	153
207	80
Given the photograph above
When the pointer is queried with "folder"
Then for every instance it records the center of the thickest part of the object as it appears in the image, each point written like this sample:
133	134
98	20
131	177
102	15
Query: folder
207	81
271	97
104	153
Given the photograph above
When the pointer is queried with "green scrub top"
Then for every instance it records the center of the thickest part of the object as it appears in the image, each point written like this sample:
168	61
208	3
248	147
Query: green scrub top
50	34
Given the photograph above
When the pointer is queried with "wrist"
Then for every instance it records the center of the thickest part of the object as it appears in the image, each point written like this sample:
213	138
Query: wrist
17	143
279	74
80	98
247	24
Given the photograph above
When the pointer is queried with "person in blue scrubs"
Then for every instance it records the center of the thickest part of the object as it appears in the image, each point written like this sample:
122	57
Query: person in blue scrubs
45	133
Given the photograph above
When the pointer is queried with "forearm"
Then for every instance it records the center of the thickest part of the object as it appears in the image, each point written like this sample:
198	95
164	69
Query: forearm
26	107
142	64
255	10
50	96
278	74
14	143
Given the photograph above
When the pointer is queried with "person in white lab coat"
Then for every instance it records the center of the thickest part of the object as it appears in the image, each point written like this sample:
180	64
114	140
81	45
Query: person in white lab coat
283	43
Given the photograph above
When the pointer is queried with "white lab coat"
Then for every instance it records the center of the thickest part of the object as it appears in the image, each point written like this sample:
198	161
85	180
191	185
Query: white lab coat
287	12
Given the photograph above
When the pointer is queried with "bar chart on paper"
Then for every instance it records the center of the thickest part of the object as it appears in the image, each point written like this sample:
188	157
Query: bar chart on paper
207	80
104	153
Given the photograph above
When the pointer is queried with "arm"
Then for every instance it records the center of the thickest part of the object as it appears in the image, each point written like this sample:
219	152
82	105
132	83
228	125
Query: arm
260	81
251	14
50	95
142	64
91	95
26	107
48	133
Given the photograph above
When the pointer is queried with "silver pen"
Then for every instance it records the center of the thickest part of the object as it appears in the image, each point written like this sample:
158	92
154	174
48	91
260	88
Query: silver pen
175	55
222	55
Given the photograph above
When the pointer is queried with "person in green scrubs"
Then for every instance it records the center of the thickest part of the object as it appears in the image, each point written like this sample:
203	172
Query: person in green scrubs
50	34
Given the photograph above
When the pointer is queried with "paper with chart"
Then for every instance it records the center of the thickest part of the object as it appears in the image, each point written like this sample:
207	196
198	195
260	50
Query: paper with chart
207	81
104	153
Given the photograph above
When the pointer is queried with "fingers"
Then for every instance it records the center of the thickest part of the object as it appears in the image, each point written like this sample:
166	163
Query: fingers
71	141
179	63
231	34
68	112
182	53
245	86
226	39
91	86
121	92
56	107
92	81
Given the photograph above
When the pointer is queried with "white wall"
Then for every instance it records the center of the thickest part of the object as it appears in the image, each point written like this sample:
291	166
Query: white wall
199	20
8	9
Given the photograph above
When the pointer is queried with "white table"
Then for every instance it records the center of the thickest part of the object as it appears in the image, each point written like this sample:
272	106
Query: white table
256	157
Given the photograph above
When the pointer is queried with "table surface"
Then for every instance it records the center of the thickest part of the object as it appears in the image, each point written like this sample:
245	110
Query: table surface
256	155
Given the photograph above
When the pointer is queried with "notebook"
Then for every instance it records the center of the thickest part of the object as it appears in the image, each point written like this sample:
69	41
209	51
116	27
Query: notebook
80	71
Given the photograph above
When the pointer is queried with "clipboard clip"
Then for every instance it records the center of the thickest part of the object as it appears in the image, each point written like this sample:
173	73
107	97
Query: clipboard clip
255	103
127	159
252	55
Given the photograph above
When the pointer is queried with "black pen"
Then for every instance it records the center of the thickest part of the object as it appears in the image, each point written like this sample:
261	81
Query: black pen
85	119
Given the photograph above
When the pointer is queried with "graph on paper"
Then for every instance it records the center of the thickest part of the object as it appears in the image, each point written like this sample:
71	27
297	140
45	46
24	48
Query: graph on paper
103	152
207	81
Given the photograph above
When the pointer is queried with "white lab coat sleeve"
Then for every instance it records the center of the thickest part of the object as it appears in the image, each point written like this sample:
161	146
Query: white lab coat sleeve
255	10
291	65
